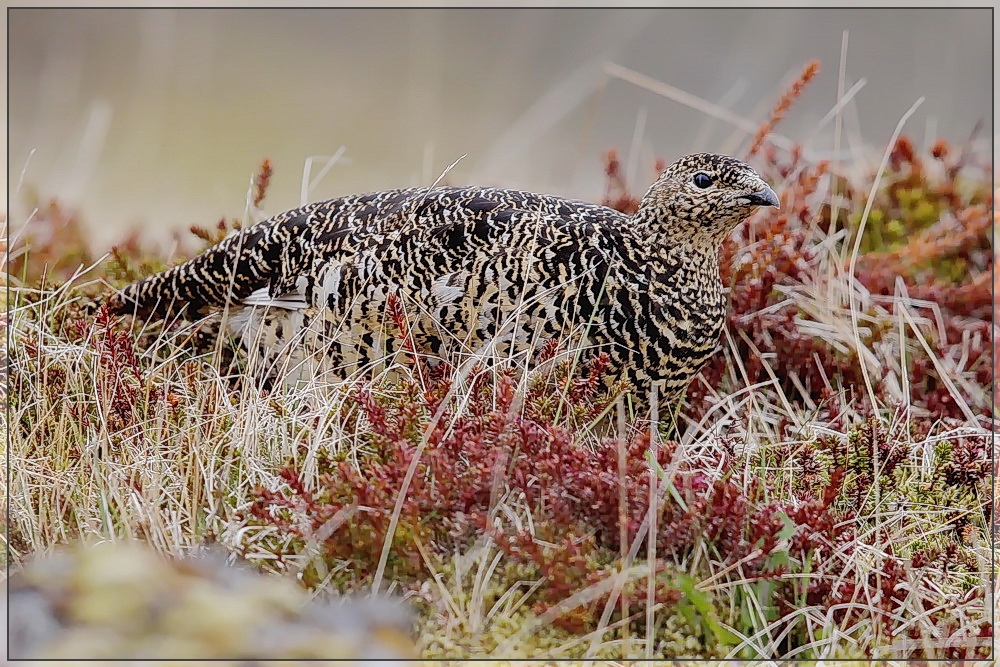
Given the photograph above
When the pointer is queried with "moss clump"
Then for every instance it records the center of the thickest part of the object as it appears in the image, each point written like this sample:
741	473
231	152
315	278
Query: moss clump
496	619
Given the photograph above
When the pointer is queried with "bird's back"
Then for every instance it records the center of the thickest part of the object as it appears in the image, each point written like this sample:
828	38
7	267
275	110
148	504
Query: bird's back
276	253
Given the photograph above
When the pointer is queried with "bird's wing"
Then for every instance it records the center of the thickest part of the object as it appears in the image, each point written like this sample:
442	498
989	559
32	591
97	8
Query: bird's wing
451	253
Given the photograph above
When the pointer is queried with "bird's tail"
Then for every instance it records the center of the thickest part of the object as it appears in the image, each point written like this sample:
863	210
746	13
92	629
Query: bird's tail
265	255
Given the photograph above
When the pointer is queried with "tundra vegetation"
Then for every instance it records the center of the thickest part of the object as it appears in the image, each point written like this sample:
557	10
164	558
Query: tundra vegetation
823	491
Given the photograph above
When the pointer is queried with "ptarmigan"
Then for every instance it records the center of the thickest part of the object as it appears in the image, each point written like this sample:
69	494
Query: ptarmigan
480	269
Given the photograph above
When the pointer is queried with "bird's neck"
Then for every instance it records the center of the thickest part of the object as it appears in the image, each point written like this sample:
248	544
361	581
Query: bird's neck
695	249
666	233
681	260
676	268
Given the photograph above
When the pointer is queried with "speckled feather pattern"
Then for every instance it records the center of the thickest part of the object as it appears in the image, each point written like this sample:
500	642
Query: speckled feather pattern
480	266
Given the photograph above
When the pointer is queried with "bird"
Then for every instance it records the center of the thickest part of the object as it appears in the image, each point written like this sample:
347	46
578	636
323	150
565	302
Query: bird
479	269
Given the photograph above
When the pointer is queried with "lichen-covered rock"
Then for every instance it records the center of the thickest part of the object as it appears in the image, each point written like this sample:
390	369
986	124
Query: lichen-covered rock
124	601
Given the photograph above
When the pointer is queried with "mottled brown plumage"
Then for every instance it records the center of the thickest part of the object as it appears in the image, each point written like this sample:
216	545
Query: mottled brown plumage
480	266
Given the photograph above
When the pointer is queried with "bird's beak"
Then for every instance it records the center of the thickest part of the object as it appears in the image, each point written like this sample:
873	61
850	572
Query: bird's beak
765	197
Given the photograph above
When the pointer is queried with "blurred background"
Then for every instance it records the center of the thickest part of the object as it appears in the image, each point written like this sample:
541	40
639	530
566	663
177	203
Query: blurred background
157	118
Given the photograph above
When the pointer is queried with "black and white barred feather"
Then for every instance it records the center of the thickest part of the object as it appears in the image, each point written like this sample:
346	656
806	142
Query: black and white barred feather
479	268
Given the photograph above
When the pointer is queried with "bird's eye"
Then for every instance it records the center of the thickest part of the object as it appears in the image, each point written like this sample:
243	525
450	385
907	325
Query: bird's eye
702	180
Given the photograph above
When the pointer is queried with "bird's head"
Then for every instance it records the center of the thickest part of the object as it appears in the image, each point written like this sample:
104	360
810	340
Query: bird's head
702	197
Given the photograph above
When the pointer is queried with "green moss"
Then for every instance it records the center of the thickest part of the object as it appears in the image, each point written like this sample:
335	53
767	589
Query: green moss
501	622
